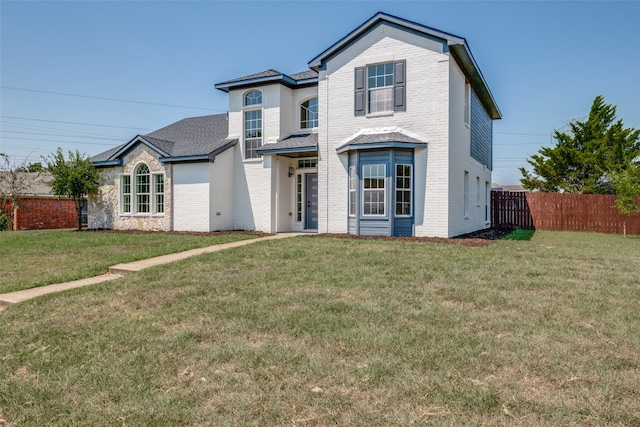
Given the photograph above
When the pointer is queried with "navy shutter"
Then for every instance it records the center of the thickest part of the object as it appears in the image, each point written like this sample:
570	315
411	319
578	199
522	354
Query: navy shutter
359	101
399	86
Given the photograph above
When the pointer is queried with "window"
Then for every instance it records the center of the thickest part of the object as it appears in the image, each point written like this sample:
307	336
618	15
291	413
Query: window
353	184
158	182
309	114
467	103
373	189
466	194
477	191
253	98
307	163
142	192
299	198
403	190
143	189
380	88
126	193
487	200
252	125
252	133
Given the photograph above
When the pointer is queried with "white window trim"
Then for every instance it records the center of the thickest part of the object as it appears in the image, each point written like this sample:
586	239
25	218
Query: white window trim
410	189
133	212
299	115
368	90
352	189
386	209
466	194
245	109
244	138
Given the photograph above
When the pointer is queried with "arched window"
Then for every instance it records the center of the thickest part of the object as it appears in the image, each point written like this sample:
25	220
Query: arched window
253	98
252	124
143	188
309	114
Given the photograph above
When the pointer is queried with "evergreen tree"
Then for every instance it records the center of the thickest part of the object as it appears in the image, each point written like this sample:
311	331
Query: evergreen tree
586	159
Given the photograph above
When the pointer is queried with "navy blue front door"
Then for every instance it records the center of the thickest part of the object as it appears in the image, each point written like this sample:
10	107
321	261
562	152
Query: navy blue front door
311	197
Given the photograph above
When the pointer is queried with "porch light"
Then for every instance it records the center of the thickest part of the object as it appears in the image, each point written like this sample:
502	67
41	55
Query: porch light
291	171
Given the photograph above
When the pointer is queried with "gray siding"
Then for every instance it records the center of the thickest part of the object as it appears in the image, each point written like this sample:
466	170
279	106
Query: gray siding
481	133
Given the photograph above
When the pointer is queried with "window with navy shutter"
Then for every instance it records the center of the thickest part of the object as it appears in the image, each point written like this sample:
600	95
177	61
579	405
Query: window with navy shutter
380	88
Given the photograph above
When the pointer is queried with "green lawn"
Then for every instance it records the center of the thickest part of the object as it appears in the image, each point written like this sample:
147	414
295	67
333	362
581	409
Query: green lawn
312	331
35	258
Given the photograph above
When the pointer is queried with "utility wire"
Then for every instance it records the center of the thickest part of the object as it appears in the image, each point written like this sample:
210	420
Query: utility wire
104	98
73	123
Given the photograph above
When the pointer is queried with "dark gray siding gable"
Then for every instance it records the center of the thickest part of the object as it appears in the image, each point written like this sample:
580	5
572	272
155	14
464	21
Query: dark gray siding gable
481	133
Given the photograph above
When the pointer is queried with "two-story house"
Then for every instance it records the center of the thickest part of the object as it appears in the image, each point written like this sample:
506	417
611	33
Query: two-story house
389	132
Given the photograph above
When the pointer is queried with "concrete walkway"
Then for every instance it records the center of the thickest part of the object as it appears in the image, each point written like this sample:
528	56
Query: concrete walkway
119	270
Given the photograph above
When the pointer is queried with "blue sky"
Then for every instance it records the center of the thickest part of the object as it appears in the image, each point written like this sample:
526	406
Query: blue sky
92	75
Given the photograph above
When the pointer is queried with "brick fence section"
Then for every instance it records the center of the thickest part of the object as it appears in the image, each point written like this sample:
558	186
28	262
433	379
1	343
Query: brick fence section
45	213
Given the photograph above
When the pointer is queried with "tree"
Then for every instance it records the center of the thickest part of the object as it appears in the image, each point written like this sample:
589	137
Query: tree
74	178
13	183
586	158
627	185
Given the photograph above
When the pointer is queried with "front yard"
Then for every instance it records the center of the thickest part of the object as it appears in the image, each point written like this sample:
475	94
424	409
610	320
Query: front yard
313	331
36	258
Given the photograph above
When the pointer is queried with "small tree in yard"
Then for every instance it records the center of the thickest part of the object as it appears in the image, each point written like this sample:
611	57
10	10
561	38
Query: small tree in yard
74	178
628	188
13	183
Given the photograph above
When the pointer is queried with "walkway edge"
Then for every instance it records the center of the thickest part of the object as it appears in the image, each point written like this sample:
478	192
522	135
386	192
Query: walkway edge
117	271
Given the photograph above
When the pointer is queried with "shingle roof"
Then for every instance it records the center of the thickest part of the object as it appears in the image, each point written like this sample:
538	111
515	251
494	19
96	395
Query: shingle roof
270	76
195	136
302	142
35	184
304	75
378	140
384	137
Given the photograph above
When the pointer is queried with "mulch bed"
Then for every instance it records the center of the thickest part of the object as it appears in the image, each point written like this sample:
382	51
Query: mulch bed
476	239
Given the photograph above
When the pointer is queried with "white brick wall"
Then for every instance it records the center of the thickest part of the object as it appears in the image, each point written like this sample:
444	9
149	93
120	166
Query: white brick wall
427	115
191	197
221	209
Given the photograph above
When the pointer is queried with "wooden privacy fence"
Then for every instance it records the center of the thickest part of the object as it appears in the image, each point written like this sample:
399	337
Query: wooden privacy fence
554	211
510	208
580	212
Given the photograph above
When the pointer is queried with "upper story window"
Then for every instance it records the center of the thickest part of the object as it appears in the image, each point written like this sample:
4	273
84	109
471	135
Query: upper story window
380	88
309	114
252	124
252	133
253	98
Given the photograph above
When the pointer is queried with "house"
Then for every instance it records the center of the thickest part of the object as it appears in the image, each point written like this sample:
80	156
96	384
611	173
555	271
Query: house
35	207
389	132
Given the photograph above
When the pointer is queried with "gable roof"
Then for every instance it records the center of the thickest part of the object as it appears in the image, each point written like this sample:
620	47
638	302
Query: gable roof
304	78
191	139
456	45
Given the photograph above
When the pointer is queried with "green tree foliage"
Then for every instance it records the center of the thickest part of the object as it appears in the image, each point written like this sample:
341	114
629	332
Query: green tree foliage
627	185
585	159
74	178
